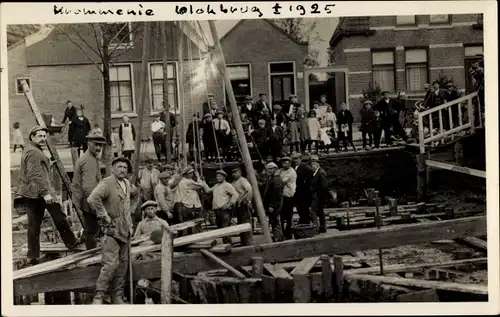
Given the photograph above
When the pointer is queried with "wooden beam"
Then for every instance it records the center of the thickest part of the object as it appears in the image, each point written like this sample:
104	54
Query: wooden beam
167	250
411	268
52	149
222	263
326	272
291	250
455	168
305	265
475	242
446	286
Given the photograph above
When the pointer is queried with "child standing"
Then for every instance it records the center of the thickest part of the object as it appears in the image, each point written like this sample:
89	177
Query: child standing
17	137
115	141
367	118
344	121
305	135
377	128
314	130
293	133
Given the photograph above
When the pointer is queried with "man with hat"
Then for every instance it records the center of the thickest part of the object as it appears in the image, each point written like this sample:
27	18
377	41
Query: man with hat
389	109
243	206
224	200
273	200
222	133
208	137
278	116
147	179
86	176
158	134
37	194
261	104
289	178
150	221
164	195
319	186
207	104
113	201
303	193
293	105
249	109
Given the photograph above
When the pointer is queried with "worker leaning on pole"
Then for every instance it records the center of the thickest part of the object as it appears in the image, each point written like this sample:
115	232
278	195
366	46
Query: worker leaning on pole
86	176
113	200
37	194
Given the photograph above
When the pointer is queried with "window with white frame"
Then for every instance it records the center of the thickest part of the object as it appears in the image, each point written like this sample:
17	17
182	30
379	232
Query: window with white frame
405	19
156	75
239	75
439	18
119	34
122	98
282	81
383	70
19	86
416	69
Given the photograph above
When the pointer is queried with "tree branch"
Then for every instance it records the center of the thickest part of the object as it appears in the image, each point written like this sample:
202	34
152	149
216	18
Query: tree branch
123	41
84	52
83	40
97	42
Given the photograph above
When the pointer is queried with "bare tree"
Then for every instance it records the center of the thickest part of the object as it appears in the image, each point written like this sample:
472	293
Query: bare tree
102	44
302	30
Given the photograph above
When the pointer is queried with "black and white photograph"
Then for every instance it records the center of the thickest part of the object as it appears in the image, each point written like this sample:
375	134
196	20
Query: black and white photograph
170	155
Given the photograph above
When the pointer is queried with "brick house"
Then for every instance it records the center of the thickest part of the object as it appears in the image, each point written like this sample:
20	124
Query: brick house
405	52
57	70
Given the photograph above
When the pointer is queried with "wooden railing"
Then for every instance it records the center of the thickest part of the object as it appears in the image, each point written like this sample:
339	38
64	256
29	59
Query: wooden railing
451	122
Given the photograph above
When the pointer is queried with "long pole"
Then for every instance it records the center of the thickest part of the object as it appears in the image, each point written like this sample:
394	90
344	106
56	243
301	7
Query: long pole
241	137
180	62
168	128
378	221
142	98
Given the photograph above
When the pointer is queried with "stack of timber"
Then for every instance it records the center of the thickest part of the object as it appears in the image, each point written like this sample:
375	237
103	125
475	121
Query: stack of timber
256	268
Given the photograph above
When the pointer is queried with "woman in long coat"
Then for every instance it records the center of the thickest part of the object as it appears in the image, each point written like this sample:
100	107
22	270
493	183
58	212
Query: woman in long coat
81	128
305	136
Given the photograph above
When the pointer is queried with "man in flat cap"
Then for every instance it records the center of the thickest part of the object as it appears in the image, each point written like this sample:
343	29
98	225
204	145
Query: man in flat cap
289	178
389	109
148	178
260	105
164	195
249	109
303	193
158	135
243	207
113	201
150	221
224	200
273	200
37	194
86	176
319	186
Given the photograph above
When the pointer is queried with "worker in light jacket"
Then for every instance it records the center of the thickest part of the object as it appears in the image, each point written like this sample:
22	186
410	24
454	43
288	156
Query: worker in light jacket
113	200
37	194
319	186
86	176
289	178
243	208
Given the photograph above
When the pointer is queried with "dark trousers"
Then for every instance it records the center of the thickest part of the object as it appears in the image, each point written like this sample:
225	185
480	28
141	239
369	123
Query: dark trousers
287	217
91	230
114	265
294	145
398	129
159	143
303	209
182	214
35	209
377	134
128	154
223	143
223	220
365	136
244	215
275	222
318	212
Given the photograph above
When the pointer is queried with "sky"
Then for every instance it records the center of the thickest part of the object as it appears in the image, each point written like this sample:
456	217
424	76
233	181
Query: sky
325	28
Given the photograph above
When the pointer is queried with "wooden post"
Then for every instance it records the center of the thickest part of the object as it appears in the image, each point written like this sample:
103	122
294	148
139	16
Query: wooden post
167	253
339	275
59	165
257	267
470	111
326	272
421	178
168	128
180	63
421	135
142	99
393	206
247	160
378	222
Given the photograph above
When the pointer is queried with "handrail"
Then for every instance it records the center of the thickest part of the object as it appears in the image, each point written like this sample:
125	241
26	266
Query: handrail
449	103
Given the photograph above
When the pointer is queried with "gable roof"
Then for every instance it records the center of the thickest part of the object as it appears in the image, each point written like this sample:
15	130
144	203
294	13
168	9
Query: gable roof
348	27
268	21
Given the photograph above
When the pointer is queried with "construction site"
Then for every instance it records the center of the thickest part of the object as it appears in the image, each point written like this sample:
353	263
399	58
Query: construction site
405	223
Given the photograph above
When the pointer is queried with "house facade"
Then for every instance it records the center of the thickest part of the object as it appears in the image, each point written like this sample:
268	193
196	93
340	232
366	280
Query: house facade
60	66
403	53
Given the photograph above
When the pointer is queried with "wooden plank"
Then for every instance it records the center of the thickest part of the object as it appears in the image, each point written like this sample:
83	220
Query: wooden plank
221	248
167	249
475	242
257	267
456	168
305	265
217	260
291	250
446	286
339	275
426	296
416	267
203	245
327	276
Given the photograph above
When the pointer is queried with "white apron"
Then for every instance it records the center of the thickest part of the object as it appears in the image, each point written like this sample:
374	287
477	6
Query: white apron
128	138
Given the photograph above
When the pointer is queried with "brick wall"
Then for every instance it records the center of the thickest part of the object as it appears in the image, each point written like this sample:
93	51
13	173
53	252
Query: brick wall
445	46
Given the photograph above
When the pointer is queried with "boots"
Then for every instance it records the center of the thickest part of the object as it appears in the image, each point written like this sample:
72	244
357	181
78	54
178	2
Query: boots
98	298
118	298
